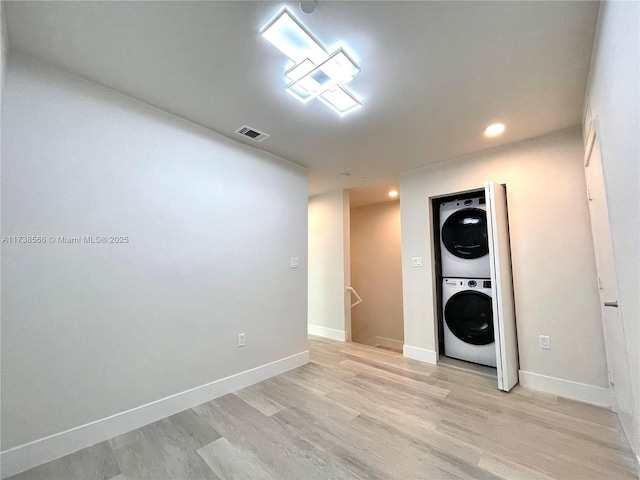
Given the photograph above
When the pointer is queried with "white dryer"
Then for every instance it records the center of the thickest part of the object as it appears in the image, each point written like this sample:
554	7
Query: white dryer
467	307
464	245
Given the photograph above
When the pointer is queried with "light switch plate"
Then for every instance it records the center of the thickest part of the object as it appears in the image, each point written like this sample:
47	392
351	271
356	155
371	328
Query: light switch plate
545	342
295	262
416	262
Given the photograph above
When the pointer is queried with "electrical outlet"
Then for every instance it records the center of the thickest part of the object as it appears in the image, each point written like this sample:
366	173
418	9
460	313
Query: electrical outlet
241	339
545	342
416	262
295	262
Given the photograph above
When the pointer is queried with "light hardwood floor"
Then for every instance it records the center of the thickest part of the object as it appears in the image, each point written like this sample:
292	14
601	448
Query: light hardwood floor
361	412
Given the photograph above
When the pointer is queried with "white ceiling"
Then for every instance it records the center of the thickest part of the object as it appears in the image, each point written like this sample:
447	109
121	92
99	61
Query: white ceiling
434	74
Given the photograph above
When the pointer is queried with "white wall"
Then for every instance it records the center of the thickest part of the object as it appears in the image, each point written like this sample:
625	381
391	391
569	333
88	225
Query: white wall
4	46
376	273
552	253
614	98
92	330
329	267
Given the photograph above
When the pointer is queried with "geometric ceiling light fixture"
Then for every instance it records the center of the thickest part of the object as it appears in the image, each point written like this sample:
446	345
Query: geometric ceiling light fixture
315	73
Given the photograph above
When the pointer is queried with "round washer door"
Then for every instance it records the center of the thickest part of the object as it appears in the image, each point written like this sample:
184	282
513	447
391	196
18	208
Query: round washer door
464	233
469	316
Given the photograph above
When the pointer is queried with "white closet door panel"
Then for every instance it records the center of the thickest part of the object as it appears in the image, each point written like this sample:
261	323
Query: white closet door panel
504	318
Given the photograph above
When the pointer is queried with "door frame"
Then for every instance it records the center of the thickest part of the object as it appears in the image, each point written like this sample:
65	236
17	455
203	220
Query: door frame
592	139
507	371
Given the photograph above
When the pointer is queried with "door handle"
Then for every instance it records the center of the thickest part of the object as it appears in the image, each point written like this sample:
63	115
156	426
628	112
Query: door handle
353	290
611	304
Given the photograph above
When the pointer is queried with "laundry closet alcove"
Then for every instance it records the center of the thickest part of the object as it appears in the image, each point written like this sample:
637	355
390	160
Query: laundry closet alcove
474	284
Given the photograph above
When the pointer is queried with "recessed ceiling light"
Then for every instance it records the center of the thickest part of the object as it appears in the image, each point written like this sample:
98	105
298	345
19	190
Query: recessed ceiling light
315	73
393	193
494	130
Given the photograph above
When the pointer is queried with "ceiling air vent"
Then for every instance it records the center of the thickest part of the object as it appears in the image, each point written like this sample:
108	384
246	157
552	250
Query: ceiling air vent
252	133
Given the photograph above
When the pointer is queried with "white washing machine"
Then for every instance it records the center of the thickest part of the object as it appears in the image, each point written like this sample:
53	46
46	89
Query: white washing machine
468	320
464	246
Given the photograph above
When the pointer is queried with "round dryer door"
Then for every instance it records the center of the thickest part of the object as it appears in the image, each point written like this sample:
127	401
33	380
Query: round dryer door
469	316
464	233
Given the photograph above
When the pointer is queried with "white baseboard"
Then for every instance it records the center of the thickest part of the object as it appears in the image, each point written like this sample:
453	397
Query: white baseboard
420	354
32	454
319	331
566	388
385	342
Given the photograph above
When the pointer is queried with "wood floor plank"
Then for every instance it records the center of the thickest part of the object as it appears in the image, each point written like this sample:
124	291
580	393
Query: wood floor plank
335	439
229	461
315	377
398	383
436	457
319	405
93	463
189	426
509	470
423	383
142	460
166	451
255	397
126	439
248	428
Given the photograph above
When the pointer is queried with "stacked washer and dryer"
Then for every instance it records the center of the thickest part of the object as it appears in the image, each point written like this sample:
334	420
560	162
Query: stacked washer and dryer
467	306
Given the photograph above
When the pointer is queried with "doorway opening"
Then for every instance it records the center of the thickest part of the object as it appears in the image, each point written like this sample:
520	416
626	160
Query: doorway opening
463	283
476	328
376	275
